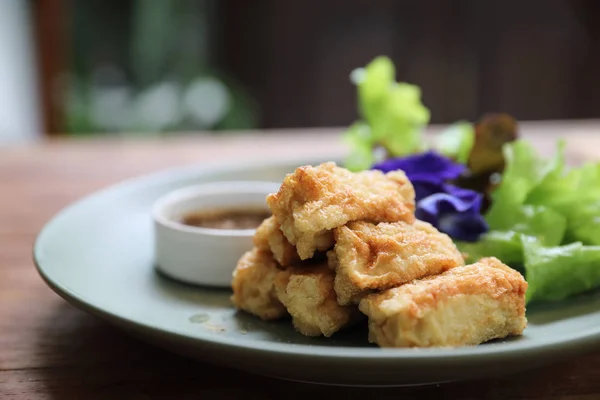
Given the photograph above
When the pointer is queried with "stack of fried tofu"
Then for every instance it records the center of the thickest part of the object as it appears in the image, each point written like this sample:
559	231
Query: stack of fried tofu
342	247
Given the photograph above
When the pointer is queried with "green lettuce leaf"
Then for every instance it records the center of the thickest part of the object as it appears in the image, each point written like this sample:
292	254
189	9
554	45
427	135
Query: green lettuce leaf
457	141
359	139
555	211
556	273
554	179
399	128
523	172
373	84
521	201
576	195
391	110
504	241
504	245
544	223
583	223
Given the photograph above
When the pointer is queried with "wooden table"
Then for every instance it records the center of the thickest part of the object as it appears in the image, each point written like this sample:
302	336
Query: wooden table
49	349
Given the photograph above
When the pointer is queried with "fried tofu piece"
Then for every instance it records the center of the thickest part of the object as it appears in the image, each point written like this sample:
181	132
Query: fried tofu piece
253	285
370	257
269	237
314	200
467	305
307	292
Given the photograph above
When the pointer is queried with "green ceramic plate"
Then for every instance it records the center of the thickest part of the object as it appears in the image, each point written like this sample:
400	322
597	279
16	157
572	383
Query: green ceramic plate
98	255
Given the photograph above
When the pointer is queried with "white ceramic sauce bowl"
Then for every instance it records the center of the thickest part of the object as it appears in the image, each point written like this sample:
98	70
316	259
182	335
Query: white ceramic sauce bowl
199	255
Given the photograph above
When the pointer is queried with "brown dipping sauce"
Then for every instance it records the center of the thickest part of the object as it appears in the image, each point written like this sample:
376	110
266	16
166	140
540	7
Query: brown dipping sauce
242	218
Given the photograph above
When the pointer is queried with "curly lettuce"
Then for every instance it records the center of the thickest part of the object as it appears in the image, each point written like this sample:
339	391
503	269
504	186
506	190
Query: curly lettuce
392	116
544	218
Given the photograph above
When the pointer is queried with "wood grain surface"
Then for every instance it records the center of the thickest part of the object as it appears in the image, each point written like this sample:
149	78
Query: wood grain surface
50	350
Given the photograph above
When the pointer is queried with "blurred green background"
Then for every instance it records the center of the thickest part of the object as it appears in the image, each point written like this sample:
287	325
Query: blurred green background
148	66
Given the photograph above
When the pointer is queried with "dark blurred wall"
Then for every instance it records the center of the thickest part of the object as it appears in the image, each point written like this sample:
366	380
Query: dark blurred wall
535	59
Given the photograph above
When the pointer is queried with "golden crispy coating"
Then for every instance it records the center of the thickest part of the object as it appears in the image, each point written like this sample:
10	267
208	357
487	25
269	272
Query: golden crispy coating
308	294
369	257
466	305
261	236
269	237
314	200
253	287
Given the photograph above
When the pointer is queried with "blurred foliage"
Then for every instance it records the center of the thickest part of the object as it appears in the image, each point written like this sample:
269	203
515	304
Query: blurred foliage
148	66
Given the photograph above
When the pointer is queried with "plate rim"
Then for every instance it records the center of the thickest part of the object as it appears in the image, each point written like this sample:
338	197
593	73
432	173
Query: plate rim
573	343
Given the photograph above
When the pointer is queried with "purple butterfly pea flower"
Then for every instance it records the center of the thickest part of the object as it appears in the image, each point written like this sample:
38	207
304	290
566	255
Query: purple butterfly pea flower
427	171
454	211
